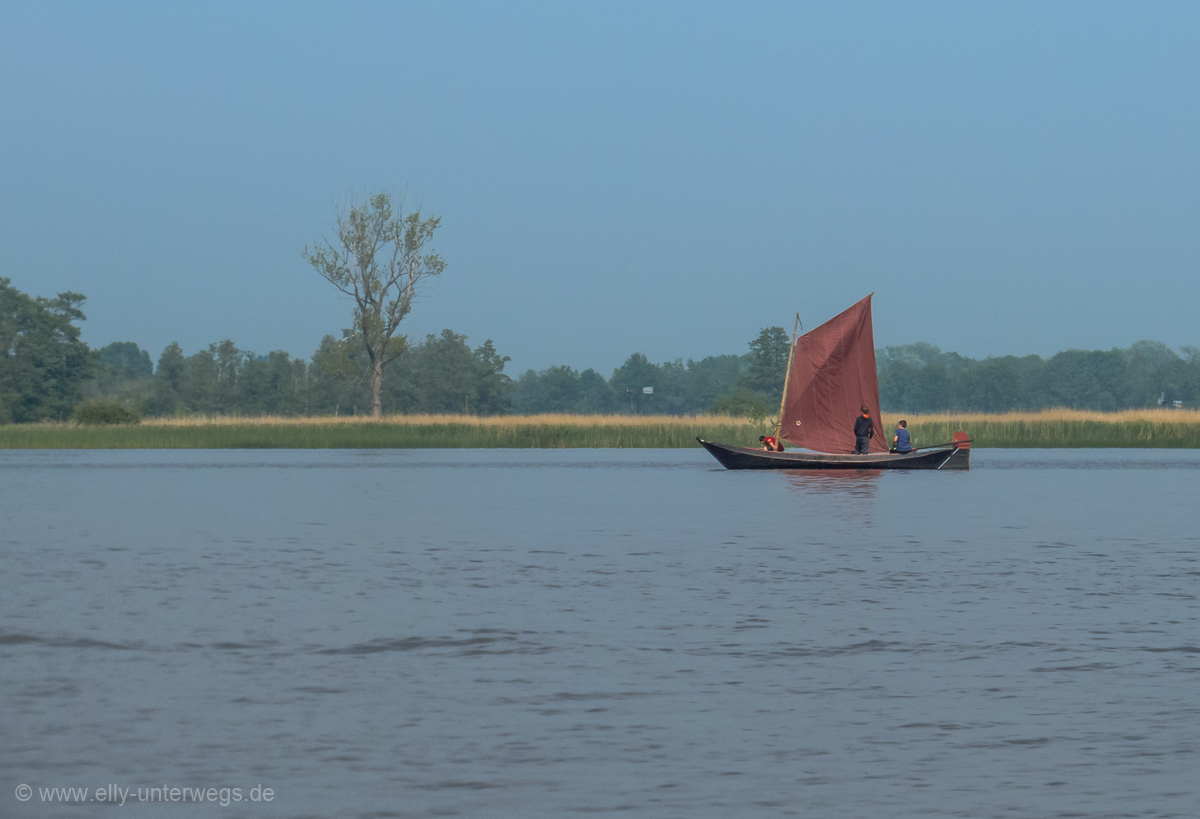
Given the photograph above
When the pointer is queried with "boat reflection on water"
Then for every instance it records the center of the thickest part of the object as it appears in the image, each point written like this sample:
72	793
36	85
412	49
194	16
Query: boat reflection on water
855	483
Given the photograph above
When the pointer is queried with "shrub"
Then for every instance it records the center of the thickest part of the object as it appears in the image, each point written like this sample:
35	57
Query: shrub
743	404
105	411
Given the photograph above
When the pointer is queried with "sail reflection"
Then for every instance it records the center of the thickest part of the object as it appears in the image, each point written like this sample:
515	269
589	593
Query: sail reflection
856	483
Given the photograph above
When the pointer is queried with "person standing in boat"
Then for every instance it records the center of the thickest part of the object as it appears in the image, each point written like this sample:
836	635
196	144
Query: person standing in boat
900	441
864	431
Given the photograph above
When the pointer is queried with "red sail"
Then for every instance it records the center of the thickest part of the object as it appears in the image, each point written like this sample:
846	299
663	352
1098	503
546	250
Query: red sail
833	375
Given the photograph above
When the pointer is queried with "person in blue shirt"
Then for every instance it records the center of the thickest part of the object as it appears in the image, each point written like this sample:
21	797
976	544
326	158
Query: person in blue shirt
901	442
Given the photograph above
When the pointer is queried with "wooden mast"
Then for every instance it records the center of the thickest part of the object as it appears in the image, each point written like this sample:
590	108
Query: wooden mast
786	378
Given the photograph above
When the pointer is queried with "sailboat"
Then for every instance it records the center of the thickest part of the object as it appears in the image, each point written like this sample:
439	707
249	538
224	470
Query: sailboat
830	375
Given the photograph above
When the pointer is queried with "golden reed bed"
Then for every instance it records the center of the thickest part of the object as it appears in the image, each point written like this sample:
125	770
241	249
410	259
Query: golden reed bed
545	419
1046	429
1146	428
1159	416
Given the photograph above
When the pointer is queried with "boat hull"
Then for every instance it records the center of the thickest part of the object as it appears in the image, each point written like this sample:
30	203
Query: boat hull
737	457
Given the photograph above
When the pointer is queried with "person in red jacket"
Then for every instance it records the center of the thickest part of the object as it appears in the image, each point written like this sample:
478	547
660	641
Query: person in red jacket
770	443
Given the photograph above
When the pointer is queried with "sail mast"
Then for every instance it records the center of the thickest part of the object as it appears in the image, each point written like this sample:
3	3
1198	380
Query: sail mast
786	378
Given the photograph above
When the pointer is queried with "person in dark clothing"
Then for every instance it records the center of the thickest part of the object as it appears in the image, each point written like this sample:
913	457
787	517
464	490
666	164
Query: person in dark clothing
864	431
901	442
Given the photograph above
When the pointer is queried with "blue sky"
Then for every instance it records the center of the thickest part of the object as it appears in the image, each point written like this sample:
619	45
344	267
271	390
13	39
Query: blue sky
614	178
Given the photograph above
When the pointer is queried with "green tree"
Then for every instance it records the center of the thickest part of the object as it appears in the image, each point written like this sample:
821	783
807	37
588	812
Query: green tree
707	379
630	378
43	364
340	375
437	376
555	389
1190	387
993	385
595	394
274	384
670	394
444	375
767	364
198	384
908	387
1152	370
1085	379
228	360
125	360
744	404
563	389
493	389
379	259
168	380
124	373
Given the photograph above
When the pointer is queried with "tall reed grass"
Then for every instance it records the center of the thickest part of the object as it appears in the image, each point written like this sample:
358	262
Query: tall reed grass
1058	428
1050	428
399	431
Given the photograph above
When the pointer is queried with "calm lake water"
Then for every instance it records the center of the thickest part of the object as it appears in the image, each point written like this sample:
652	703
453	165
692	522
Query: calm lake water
557	632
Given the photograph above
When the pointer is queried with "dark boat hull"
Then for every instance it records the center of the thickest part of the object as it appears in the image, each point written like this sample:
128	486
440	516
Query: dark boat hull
737	457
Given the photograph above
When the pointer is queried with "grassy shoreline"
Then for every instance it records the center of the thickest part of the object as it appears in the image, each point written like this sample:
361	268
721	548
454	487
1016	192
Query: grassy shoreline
1062	428
1049	429
400	431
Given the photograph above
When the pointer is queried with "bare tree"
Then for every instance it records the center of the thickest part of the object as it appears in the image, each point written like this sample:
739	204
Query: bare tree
377	261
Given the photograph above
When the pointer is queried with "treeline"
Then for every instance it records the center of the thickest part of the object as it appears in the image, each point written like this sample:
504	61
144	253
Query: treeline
922	378
748	384
637	386
46	371
440	375
443	374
